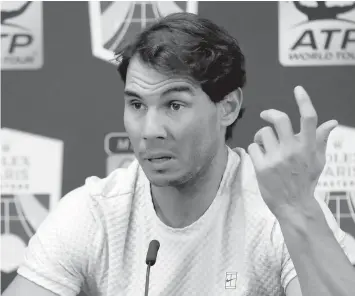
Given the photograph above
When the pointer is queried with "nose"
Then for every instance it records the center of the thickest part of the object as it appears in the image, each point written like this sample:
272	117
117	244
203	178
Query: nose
153	126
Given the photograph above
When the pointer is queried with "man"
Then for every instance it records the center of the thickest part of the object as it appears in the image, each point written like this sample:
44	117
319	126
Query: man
228	223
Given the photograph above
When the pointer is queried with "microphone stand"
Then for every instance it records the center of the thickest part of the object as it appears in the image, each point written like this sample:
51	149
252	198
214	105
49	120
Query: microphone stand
152	253
147	280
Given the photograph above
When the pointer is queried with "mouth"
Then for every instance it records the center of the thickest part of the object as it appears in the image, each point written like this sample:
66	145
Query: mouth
159	159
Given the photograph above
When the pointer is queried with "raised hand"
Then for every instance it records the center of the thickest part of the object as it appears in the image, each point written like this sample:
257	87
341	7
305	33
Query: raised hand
288	166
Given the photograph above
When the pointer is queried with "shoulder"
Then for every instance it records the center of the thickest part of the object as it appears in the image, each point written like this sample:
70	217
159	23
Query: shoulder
82	206
247	185
71	242
114	197
119	182
260	222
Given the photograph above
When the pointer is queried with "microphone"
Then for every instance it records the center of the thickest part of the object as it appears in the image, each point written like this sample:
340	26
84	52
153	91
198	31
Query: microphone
152	253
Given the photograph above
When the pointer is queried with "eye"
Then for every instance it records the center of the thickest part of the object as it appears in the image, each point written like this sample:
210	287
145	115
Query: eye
175	106
136	105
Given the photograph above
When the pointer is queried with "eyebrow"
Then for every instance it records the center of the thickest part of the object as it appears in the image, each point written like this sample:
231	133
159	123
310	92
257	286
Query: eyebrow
187	89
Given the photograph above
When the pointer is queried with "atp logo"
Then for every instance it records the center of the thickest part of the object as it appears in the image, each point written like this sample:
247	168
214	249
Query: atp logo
316	33
323	12
31	181
115	22
21	35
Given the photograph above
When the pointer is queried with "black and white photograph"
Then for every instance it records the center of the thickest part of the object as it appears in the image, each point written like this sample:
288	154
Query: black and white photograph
177	148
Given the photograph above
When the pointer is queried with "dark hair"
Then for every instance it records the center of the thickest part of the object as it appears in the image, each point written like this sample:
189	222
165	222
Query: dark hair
186	45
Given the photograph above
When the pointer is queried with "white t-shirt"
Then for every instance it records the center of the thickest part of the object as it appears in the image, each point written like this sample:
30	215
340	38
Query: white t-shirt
97	240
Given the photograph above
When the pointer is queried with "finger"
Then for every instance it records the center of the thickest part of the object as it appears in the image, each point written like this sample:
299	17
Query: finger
308	114
260	143
267	138
281	122
323	132
256	155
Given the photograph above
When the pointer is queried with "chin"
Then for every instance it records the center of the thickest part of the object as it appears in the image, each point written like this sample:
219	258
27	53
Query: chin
160	182
165	179
169	176
161	179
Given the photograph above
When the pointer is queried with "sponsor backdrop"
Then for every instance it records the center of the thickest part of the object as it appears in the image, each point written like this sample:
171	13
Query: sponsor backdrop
62	101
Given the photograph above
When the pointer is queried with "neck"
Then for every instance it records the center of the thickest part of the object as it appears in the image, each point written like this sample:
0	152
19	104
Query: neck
181	206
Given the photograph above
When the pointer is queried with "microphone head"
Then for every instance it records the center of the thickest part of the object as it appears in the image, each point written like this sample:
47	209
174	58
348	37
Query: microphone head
152	253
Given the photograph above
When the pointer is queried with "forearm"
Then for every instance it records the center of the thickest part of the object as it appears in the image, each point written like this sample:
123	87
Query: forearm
320	263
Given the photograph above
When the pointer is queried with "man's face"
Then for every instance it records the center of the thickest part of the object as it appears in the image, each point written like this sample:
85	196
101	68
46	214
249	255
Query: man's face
172	124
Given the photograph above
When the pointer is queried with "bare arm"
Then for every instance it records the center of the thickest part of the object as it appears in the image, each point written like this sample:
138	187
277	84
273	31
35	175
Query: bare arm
21	286
321	264
287	172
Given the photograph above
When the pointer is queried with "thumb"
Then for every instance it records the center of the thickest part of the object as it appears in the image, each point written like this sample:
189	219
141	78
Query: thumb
323	132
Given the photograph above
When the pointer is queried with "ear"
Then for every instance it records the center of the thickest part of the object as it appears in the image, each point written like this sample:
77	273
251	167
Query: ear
230	107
